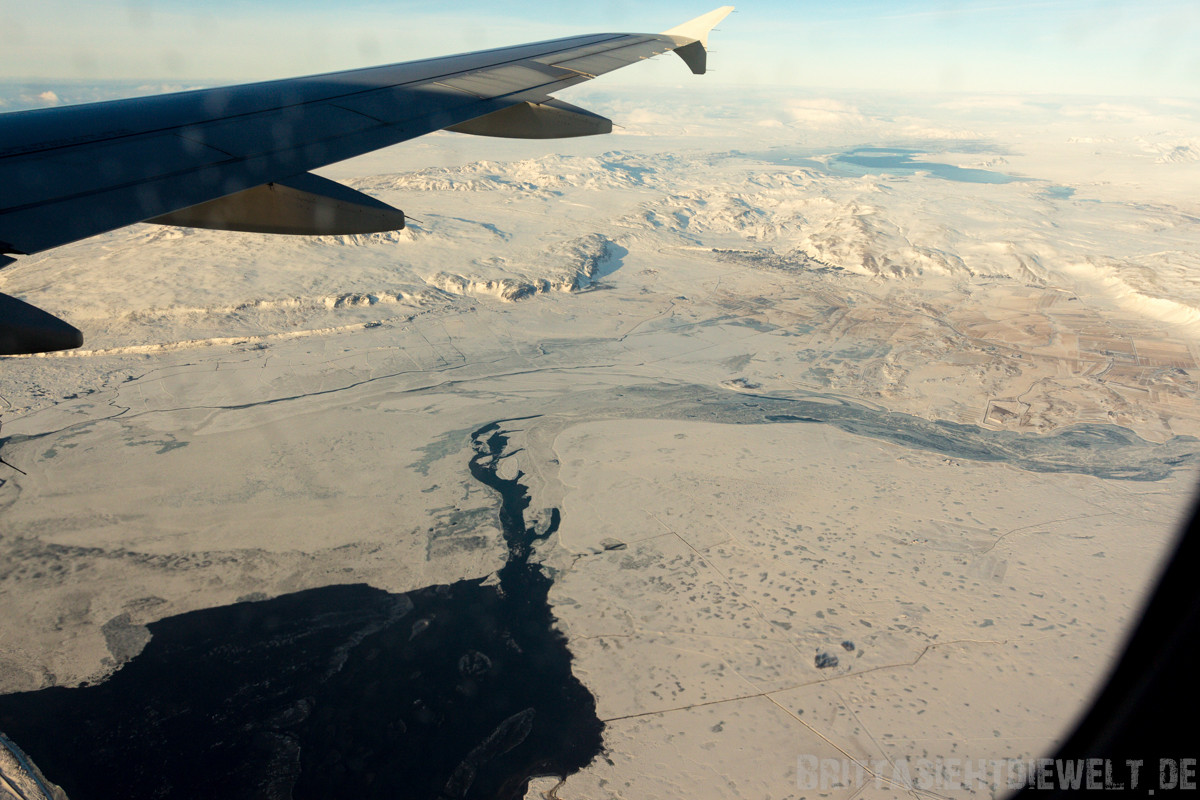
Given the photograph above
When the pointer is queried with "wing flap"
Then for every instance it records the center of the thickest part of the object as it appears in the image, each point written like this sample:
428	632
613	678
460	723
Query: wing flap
606	46
283	129
598	63
403	104
508	79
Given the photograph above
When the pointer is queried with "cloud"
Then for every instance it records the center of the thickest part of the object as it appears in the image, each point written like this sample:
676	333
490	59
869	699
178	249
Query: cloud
48	98
987	103
1178	102
1107	112
820	112
920	130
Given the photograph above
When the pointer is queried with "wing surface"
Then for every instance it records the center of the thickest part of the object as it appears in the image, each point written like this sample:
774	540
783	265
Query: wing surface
72	172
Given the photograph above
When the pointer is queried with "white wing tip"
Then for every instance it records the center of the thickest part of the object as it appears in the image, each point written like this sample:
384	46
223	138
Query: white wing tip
699	28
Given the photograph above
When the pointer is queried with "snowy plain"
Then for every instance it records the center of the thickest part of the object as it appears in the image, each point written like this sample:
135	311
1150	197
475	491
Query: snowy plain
253	415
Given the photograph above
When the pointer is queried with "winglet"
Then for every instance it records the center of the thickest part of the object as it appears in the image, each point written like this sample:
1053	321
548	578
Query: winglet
691	38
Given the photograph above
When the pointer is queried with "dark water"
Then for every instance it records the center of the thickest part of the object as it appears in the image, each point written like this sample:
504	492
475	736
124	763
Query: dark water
873	160
1059	192
452	691
864	160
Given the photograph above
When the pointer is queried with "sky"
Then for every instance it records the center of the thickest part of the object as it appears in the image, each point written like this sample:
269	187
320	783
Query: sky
1096	47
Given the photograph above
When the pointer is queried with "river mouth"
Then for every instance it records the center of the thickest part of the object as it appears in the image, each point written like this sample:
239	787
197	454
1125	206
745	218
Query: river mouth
457	690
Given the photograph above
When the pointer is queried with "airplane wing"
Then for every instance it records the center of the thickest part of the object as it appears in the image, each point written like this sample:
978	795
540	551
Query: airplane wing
238	157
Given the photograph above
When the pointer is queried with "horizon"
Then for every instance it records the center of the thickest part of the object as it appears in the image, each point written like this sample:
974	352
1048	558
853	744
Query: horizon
1058	47
24	94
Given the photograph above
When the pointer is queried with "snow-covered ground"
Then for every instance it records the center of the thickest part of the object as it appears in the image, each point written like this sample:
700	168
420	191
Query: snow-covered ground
258	414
